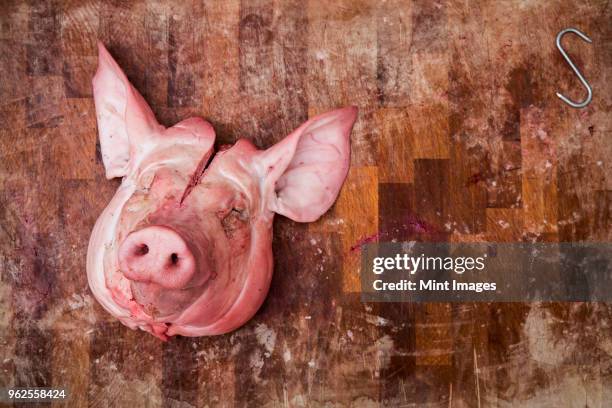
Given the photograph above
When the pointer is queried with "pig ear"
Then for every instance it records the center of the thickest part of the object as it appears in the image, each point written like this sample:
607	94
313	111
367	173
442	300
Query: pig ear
124	117
304	172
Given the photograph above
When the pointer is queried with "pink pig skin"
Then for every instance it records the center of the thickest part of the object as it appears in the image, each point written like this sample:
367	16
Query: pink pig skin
185	247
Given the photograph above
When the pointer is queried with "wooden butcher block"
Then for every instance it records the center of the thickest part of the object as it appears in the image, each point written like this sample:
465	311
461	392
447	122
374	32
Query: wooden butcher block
460	137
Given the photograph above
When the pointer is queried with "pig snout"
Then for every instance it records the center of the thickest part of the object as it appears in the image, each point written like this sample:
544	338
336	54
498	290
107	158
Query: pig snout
157	255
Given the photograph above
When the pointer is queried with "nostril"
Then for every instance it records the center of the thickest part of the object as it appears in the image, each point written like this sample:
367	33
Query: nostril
174	259
141	249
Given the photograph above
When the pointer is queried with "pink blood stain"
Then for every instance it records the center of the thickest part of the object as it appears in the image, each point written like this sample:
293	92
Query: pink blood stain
409	226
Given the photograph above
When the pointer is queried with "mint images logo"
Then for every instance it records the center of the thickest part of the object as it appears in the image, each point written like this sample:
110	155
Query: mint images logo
433	285
490	272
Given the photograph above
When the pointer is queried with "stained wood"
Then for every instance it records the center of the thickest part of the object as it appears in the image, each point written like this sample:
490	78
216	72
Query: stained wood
460	138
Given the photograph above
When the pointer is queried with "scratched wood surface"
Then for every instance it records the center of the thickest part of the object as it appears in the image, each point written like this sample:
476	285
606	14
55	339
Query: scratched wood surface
460	138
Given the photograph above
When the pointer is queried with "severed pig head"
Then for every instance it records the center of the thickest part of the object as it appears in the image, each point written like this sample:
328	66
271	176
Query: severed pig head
185	245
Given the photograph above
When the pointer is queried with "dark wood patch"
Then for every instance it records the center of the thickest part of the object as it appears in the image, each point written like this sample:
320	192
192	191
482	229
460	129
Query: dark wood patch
183	60
393	66
397	217
44	104
180	371
44	50
77	73
432	203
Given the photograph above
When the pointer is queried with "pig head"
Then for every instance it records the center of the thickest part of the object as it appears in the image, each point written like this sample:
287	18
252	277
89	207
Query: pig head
185	245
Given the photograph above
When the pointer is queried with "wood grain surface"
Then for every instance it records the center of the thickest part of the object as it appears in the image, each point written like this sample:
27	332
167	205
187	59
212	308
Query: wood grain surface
460	137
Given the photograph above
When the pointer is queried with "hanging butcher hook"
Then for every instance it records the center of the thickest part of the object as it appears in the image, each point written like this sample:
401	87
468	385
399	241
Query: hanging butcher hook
574	68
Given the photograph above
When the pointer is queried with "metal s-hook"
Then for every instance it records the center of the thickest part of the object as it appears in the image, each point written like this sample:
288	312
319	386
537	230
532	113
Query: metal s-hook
574	68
